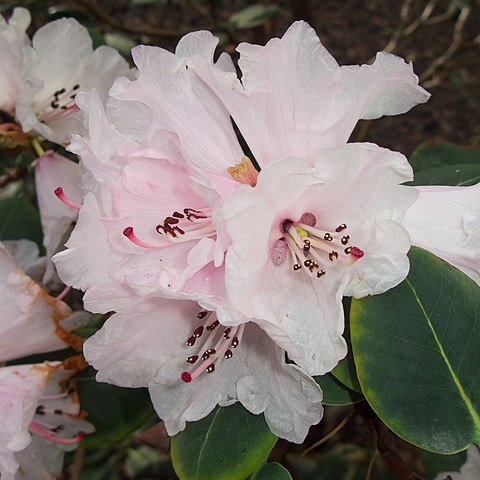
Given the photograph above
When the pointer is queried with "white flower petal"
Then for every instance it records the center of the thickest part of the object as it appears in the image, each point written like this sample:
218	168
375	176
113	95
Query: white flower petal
446	221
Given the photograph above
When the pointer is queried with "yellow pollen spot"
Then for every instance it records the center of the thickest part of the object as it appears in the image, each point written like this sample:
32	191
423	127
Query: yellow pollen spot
244	172
301	232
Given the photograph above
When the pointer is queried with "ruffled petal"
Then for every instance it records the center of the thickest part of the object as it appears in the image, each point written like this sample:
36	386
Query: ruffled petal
294	99
446	221
13	40
154	355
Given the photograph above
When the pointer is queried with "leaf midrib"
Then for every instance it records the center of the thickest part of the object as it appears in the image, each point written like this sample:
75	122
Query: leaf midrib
200	453
471	409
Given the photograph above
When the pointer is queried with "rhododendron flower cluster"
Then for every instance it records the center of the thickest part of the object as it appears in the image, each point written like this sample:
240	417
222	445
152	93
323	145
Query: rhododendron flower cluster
177	215
216	220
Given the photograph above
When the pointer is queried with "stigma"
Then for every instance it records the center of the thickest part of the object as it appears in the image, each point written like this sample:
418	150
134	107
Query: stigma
214	344
312	249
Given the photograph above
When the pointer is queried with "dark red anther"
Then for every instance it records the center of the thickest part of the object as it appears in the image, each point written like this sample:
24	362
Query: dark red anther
210	368
186	377
202	314
333	255
198	332
235	342
226	333
178	215
192	359
213	325
228	354
191	341
171	220
341	227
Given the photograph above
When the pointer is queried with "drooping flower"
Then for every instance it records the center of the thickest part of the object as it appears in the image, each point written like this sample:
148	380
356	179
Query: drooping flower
39	82
446	221
13	41
31	321
39	419
159	343
53	175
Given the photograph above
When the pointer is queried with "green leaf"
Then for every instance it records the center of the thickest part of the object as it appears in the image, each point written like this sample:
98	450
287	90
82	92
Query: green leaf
429	155
253	16
345	370
461	175
19	219
417	351
271	471
433	464
229	443
335	392
114	411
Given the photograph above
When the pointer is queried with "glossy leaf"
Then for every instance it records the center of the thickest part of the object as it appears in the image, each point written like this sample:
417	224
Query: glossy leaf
461	175
114	411
417	351
19	219
429	155
229	443
271	471
434	464
345	370
335	392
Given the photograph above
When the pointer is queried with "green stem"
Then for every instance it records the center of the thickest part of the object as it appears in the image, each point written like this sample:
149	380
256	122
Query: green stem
37	146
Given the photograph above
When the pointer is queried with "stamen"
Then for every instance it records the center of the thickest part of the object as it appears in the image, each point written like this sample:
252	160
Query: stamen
61	196
51	436
244	172
128	232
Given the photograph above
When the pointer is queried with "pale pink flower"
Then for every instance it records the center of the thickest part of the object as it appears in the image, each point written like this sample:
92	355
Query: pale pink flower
293	99
39	82
13	41
31	321
39	420
159	343
55	175
446	221
306	236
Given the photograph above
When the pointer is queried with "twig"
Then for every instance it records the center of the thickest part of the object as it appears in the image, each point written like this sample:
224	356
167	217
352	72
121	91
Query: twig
78	461
454	46
12	175
329	435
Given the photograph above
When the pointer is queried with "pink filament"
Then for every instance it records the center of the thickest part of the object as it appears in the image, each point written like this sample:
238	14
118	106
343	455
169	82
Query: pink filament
50	436
61	196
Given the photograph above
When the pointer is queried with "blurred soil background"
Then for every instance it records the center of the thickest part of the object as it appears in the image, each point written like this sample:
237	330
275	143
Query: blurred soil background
441	37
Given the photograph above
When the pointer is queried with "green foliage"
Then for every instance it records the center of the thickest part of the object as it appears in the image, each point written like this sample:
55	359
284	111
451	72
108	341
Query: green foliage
272	471
430	154
335	392
433	464
461	175
115	412
19	219
253	16
417	352
229	443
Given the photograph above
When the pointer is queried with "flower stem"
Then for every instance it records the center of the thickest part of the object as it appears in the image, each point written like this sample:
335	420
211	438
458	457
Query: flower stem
37	146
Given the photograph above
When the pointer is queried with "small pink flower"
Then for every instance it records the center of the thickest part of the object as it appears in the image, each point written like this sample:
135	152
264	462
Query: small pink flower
39	420
31	321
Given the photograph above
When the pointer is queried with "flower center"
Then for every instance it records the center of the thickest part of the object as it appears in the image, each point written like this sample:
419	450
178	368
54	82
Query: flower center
59	105
57	420
313	249
179	227
217	344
